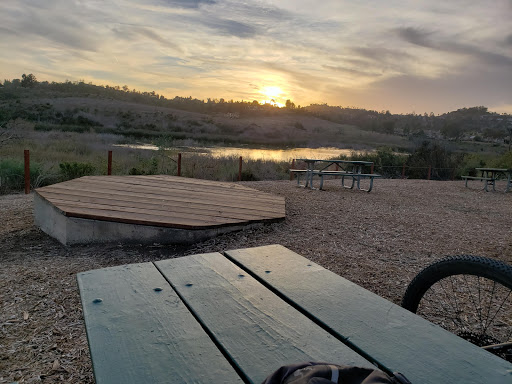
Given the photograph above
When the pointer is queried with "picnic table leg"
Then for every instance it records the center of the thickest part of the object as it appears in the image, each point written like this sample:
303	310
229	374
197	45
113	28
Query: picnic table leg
311	177
371	186
484	174
343	181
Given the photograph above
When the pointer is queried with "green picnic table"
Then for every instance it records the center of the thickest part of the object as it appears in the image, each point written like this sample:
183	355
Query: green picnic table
238	316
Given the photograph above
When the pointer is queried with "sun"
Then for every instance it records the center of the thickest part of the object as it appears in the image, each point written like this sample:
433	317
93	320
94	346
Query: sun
272	94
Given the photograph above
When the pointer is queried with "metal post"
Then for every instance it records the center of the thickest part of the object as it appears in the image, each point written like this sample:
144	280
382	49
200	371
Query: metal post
403	171
109	164
292	167
27	171
179	164
429	172
240	169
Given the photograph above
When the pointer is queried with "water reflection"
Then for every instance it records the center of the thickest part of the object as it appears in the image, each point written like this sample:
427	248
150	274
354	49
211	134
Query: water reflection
257	154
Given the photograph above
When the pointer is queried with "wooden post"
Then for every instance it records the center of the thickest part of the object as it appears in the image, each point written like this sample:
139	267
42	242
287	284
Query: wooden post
429	172
292	167
27	171
179	164
371	169
403	171
240	169
109	164
453	174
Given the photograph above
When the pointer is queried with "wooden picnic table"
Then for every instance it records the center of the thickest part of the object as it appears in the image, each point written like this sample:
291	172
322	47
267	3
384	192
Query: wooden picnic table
238	316
348	168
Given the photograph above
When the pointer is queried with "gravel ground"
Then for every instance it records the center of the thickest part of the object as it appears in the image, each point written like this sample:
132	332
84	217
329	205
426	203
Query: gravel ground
378	240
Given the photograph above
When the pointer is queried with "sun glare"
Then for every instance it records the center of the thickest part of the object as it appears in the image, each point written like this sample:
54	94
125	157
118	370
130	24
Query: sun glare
271	94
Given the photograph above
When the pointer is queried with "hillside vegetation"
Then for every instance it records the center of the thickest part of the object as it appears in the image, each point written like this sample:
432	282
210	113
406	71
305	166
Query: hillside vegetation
70	126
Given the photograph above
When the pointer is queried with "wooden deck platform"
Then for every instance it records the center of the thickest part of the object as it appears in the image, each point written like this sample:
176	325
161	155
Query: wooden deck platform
162	201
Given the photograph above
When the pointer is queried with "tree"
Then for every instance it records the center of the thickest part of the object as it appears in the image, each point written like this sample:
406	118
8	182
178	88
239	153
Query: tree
289	104
452	129
28	81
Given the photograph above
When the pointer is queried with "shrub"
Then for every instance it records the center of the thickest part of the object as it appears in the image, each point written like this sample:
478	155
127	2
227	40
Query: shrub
442	161
73	170
12	175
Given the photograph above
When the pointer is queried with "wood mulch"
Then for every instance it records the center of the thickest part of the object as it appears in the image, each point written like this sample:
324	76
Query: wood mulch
379	240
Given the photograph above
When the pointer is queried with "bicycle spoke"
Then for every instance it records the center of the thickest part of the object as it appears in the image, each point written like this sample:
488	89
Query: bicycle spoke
427	307
451	308
477	307
498	310
490	305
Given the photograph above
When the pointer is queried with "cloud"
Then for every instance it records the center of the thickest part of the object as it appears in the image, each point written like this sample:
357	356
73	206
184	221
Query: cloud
133	32
230	27
188	3
415	36
352	71
381	53
448	45
472	87
63	26
7	31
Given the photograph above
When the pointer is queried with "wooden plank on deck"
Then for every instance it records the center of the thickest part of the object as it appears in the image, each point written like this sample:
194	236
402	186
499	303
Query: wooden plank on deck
170	197
164	201
139	335
154	205
127	183
258	330
391	335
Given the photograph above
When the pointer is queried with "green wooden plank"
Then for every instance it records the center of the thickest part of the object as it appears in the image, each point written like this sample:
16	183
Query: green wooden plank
141	335
257	329
395	338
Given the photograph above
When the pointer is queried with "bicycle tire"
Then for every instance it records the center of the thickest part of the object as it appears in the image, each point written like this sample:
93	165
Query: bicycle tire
455	265
460	268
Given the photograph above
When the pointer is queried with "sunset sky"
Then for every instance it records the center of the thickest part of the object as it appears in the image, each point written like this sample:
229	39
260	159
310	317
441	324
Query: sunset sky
403	56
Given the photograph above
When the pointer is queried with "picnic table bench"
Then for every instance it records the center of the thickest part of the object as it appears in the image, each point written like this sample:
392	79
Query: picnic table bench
237	317
351	169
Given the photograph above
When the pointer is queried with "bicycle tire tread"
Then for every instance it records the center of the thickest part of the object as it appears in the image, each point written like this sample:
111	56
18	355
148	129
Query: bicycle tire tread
455	265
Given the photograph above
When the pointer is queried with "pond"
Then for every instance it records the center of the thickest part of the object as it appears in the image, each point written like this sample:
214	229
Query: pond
276	155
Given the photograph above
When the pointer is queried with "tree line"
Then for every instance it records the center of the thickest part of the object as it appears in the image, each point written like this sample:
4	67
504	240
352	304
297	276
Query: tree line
474	123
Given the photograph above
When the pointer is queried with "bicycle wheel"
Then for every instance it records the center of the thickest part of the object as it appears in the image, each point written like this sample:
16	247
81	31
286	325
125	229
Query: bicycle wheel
470	296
